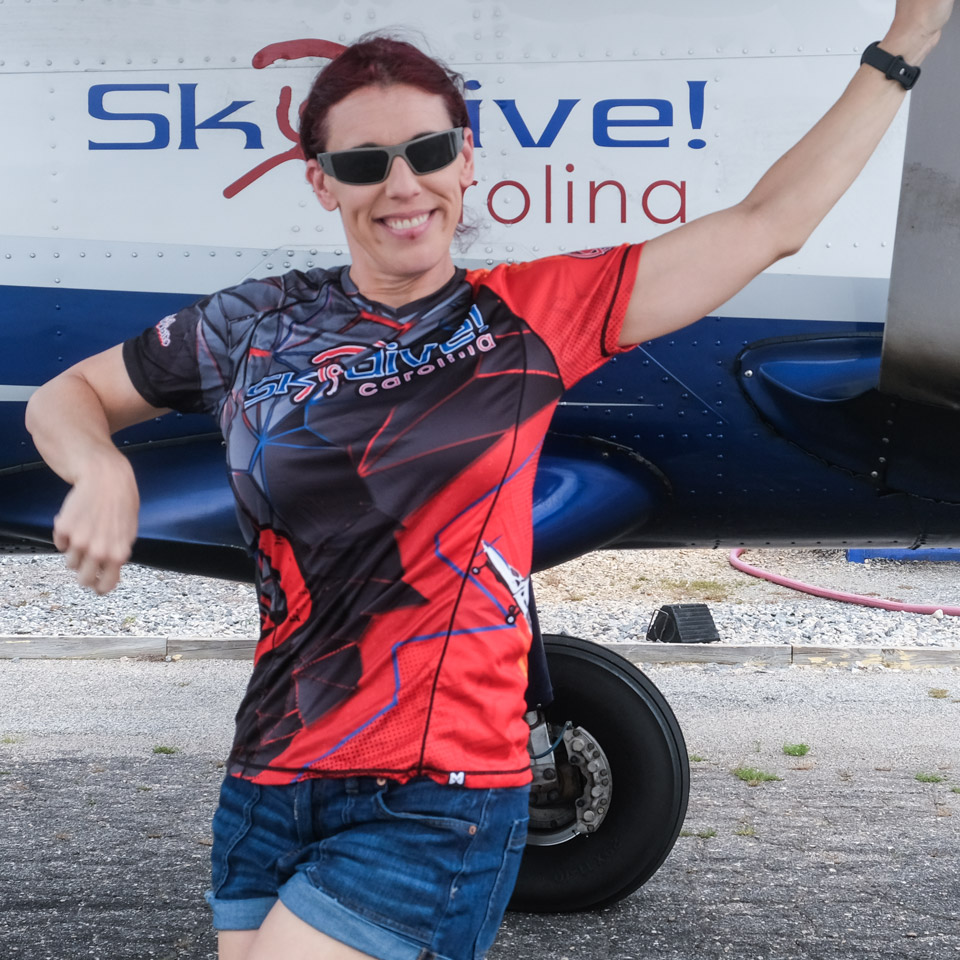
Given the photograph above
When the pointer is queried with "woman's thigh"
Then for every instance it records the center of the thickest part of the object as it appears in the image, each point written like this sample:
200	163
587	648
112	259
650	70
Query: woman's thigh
285	935
235	944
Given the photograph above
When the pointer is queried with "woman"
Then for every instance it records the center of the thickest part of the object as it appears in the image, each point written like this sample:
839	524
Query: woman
382	425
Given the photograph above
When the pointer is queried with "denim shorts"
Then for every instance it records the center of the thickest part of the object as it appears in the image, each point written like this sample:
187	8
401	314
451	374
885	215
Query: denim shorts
411	871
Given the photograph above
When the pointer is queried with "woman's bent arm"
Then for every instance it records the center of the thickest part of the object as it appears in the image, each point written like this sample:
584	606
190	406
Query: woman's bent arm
685	274
71	419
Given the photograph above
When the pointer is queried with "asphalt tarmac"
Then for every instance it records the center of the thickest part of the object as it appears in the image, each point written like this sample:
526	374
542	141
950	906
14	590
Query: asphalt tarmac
104	842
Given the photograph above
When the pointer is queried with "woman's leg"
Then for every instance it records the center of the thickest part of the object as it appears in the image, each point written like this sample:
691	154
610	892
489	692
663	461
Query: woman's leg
284	934
234	944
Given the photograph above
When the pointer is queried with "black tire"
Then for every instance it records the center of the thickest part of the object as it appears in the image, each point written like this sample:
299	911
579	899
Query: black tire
650	772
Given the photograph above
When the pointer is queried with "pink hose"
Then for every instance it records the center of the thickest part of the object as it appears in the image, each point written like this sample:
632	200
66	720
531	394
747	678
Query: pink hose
735	561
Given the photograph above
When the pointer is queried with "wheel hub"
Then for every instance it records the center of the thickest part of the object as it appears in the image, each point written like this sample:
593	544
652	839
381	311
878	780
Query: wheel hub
572	786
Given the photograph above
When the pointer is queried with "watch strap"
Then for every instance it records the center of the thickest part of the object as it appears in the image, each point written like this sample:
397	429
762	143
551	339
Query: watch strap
893	67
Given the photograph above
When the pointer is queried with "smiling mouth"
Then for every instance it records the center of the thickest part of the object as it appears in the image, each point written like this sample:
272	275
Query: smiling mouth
406	223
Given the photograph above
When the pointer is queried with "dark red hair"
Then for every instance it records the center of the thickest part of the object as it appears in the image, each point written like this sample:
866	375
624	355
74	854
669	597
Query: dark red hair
376	60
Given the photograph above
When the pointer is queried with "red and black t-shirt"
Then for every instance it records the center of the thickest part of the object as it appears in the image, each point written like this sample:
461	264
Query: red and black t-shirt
383	464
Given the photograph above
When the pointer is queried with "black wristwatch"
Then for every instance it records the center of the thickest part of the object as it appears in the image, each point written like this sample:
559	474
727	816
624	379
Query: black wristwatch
894	68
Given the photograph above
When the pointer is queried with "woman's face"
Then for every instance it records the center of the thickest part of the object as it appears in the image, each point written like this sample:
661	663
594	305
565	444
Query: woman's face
399	231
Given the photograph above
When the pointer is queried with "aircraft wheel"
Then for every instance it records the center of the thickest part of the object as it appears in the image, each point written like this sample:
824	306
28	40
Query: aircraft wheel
618	710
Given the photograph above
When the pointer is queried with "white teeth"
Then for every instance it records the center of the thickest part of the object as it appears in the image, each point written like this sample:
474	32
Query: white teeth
407	224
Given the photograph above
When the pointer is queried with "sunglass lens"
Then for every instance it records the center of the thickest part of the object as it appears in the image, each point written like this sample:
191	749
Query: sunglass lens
359	166
431	153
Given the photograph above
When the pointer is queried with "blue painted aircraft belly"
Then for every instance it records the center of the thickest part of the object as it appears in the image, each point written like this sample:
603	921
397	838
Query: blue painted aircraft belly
730	432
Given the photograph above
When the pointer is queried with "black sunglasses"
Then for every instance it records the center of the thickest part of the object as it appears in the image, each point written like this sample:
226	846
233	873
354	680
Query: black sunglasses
363	165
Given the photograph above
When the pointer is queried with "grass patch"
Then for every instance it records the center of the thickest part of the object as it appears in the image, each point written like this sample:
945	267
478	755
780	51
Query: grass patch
165	750
796	749
701	589
929	778
9	739
696	758
753	776
746	830
952	789
706	834
938	693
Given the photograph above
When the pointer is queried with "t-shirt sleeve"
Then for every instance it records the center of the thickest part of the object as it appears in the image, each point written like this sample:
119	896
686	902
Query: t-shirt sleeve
187	361
574	302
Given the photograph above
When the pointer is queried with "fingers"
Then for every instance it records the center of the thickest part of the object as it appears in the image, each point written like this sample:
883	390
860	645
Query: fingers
98	576
96	543
60	538
96	569
97	523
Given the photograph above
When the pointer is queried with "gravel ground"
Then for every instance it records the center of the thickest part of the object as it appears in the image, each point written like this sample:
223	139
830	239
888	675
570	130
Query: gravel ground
605	596
611	596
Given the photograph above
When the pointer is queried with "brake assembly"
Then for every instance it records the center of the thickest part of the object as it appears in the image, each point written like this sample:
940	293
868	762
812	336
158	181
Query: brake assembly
572	786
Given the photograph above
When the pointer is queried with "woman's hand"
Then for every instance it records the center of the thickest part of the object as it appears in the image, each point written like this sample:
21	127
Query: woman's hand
97	524
71	419
916	28
930	15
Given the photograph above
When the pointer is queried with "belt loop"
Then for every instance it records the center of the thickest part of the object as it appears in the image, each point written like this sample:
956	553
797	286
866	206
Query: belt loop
303	810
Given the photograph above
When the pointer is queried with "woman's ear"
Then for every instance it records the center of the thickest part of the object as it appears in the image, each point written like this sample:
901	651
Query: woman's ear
466	175
320	183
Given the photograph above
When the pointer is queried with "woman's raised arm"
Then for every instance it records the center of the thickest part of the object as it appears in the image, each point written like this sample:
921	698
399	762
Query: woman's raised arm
689	272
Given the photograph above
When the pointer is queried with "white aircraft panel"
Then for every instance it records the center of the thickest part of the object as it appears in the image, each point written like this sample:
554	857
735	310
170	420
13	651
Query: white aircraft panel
81	172
213	32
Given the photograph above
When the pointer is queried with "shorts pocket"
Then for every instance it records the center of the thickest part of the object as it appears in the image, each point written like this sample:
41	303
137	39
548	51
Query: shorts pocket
232	822
428	815
398	859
